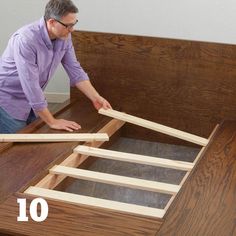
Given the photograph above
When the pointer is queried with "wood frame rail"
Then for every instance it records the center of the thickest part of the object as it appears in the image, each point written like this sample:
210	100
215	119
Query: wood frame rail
68	168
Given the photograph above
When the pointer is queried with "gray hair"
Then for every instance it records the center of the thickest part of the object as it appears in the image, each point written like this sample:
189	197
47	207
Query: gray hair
59	8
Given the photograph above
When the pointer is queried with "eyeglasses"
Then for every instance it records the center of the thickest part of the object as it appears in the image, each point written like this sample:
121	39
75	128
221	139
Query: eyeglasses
68	26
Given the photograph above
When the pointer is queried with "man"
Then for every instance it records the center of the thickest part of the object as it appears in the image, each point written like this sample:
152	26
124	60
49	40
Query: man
29	61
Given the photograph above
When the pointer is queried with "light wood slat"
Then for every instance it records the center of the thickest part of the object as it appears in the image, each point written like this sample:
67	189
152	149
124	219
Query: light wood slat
154	126
54	137
74	160
95	202
116	180
134	158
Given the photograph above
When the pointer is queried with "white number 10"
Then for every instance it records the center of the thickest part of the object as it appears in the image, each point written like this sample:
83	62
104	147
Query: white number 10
33	209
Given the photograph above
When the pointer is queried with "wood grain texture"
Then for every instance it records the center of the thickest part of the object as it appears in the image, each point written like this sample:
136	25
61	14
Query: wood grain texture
206	203
22	162
205	206
182	84
67	219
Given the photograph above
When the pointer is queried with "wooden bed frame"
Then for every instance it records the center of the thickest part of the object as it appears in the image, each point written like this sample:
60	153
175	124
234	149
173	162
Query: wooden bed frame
186	85
68	168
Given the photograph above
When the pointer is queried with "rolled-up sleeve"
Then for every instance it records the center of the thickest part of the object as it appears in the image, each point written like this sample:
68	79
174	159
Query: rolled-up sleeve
72	66
27	68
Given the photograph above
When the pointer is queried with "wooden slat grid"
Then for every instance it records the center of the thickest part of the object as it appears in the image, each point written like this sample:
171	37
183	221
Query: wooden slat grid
68	168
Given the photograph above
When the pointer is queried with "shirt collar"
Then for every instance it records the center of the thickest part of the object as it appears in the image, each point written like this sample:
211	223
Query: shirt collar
44	33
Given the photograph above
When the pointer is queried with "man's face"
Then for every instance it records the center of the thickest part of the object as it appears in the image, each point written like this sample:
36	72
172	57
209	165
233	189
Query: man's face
63	27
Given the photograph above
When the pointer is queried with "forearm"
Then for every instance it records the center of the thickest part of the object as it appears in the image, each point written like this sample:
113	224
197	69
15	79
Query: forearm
98	101
46	116
87	88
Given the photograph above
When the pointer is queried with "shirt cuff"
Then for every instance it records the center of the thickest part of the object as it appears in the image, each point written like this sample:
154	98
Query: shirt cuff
80	78
39	106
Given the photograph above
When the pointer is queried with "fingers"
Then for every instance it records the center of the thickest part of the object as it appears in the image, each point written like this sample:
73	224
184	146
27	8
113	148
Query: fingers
71	126
101	102
68	129
106	105
67	125
75	125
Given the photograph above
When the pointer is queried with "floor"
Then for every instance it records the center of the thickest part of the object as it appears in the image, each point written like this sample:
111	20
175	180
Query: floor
129	195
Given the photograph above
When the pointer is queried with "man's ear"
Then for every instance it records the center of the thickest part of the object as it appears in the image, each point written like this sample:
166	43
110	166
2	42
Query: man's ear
51	22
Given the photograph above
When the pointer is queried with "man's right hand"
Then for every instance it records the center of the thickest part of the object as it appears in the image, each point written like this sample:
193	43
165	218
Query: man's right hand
62	124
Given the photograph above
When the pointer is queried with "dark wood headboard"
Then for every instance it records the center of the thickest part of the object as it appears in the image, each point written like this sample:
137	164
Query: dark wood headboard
183	84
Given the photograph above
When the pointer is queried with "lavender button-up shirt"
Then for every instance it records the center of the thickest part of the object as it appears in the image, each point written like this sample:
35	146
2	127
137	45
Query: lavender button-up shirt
28	63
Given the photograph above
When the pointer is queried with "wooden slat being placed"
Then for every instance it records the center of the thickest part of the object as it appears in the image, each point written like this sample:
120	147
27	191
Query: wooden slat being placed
134	158
155	126
95	202
116	180
89	137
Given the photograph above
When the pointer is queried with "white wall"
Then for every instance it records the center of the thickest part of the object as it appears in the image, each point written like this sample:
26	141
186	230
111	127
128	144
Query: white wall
204	20
212	20
16	13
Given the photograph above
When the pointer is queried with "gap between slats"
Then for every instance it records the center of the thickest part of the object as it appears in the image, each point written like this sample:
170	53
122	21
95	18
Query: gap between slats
116	180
